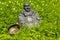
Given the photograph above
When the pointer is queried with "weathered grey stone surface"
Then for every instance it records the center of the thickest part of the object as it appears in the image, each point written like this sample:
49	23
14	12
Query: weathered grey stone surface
28	17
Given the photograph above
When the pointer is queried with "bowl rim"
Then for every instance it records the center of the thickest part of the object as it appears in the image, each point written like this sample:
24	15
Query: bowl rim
14	25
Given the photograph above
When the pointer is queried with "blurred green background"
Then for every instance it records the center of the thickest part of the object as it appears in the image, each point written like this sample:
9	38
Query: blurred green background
49	10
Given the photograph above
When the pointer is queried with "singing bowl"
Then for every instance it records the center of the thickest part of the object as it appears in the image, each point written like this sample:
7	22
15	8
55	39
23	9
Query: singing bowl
13	29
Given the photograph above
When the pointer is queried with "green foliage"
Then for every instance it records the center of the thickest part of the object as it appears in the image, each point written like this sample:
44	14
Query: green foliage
49	10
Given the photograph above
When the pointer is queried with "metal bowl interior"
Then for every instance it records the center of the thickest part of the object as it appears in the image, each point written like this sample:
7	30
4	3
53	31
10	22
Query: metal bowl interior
13	29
